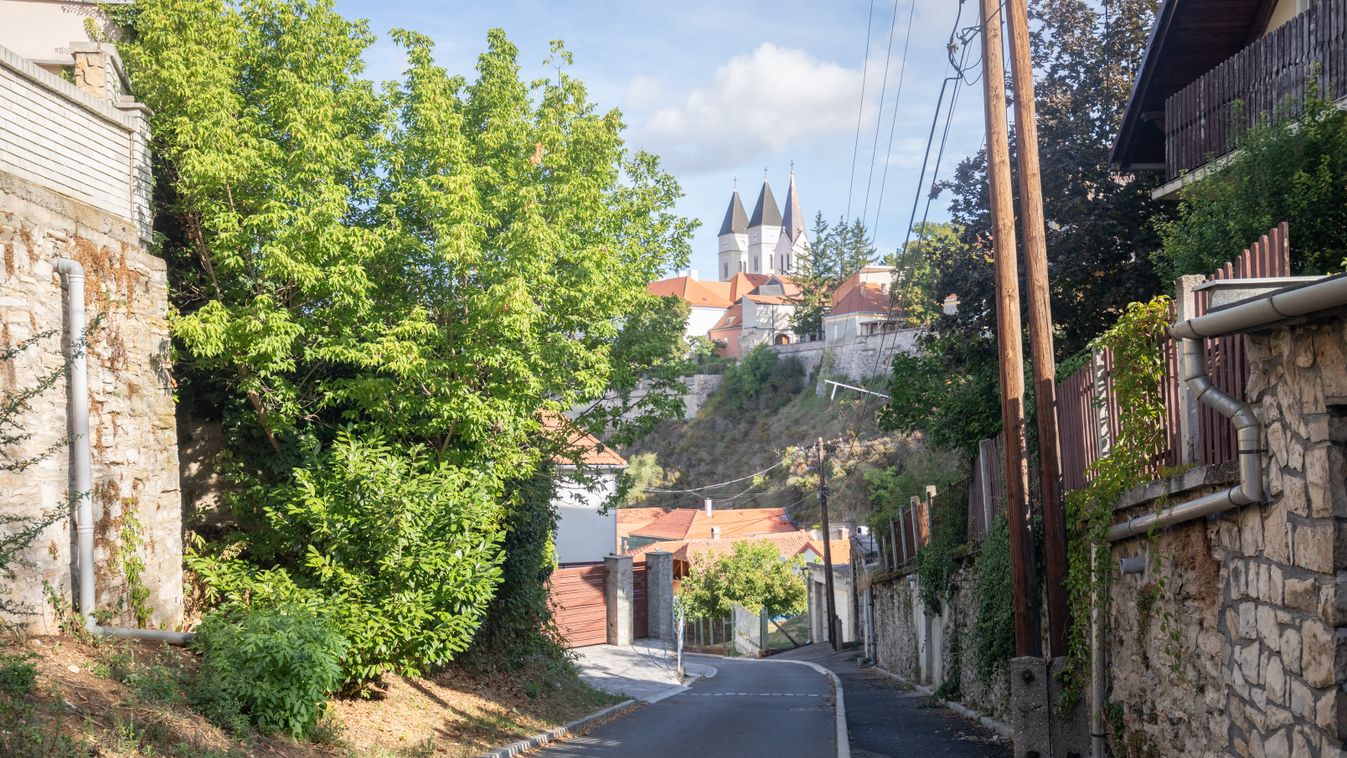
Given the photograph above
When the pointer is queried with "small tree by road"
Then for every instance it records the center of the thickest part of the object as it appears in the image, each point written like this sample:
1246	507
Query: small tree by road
754	577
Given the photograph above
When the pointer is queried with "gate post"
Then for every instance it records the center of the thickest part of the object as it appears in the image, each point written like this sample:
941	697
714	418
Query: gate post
659	595
617	596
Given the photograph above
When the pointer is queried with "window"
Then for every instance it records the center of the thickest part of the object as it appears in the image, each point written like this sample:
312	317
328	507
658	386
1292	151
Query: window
725	271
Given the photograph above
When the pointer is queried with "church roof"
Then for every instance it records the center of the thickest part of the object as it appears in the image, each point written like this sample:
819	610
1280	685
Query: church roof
793	222
766	212
736	221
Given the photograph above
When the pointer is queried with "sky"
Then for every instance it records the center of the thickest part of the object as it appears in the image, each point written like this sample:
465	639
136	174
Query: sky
725	89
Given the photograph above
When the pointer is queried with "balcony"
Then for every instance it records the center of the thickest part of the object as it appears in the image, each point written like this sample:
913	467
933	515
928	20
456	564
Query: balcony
1204	119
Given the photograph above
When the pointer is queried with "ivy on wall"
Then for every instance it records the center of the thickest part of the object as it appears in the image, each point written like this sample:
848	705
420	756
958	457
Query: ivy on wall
1138	377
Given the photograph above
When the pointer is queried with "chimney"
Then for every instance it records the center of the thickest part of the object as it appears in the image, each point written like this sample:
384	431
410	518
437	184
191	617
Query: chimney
692	274
862	530
842	532
715	531
709	508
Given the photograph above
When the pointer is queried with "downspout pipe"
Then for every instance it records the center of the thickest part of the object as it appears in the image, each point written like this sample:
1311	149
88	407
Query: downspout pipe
77	413
1255	313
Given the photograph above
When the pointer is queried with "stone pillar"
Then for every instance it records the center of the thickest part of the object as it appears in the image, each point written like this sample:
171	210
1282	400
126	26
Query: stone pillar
659	595
98	71
1042	728
617	595
1185	307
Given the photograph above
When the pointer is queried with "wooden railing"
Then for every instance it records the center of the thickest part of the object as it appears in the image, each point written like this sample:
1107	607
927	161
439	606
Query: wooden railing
1087	413
1269	77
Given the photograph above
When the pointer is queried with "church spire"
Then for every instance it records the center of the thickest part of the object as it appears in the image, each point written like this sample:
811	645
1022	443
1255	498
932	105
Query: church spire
736	221
793	221
766	212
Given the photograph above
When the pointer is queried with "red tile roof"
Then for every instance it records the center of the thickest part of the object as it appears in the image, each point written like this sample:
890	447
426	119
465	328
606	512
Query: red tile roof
693	523
592	451
788	544
631	519
694	291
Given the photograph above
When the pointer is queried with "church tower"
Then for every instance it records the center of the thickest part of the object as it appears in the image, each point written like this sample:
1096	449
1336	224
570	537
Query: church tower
733	239
764	231
791	245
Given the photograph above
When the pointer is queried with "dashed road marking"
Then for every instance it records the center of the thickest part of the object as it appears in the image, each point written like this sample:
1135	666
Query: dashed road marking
754	694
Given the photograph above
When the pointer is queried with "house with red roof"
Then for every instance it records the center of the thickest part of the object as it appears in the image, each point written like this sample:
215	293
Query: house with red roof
676	524
861	306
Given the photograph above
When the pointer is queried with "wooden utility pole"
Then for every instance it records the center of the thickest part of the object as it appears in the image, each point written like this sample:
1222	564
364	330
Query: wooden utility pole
1027	628
829	600
1040	326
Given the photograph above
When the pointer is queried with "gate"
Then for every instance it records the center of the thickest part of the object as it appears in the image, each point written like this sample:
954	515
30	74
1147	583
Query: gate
640	586
578	606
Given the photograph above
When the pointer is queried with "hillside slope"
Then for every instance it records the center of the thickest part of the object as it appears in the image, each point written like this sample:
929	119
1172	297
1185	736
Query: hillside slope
733	436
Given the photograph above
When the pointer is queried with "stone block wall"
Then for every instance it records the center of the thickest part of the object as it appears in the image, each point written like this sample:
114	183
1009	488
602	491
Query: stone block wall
134	442
900	644
1234	639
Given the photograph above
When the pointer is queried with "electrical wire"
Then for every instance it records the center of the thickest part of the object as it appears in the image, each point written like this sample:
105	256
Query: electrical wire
860	107
879	114
893	124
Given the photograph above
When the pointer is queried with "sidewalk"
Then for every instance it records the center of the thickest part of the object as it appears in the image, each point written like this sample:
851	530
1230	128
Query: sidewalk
644	670
887	718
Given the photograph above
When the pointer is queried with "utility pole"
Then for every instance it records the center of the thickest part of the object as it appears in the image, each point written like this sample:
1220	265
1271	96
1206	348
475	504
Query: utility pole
1040	325
829	600
1027	627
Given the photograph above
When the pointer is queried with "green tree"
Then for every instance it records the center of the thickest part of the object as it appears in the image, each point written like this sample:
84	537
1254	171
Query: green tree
917	295
834	253
754	577
420	271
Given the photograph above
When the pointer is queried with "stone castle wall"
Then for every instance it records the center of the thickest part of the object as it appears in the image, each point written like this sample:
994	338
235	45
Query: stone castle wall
1234	639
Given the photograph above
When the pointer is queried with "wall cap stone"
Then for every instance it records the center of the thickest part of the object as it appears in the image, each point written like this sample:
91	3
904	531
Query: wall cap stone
1197	478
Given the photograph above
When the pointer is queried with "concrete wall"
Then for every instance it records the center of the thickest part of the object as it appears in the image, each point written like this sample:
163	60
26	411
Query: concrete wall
56	136
585	532
1235	638
74	184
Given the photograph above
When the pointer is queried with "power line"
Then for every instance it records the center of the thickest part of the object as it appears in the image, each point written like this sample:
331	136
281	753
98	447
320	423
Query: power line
879	115
893	121
860	107
696	490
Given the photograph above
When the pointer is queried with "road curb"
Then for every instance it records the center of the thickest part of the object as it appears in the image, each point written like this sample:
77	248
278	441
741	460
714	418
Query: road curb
839	706
552	735
1001	728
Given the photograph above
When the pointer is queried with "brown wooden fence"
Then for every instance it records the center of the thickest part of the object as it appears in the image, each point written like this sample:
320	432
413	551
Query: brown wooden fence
1204	119
578	605
1087	413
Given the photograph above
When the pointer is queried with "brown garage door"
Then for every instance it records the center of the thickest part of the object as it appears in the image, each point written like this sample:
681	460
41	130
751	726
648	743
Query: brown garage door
640	623
576	594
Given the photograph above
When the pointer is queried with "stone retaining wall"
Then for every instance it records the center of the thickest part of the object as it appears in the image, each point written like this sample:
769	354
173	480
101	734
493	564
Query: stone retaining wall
903	631
1234	639
134	440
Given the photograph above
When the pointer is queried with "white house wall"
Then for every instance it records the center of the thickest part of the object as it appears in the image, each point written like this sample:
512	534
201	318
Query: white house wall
584	532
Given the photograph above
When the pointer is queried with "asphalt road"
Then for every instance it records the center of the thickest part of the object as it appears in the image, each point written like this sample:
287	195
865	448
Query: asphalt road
750	708
888	720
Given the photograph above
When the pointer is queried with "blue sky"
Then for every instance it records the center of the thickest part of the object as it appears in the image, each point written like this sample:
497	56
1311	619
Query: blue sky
723	89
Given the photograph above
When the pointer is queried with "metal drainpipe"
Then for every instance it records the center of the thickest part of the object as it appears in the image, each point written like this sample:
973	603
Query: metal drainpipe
1258	312
77	411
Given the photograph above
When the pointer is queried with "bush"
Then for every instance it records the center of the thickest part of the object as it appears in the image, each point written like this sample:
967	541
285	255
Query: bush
18	674
402	553
1285	170
762	380
993	596
278	665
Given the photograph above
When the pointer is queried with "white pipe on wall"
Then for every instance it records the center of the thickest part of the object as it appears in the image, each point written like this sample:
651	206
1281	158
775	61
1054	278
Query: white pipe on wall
77	414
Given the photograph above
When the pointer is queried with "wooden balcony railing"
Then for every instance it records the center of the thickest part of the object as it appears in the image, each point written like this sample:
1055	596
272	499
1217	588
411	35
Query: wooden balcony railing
1269	77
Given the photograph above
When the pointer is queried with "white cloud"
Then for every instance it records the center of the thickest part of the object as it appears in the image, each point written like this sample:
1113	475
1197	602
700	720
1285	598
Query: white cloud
764	102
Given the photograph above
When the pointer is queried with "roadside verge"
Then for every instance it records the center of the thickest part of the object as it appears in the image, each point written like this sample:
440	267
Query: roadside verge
566	731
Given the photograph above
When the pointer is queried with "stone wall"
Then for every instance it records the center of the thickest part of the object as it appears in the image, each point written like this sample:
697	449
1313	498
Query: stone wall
1234	639
903	631
134	439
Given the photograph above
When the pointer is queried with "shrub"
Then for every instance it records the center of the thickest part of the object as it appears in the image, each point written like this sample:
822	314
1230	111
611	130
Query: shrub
279	665
762	380
1285	170
993	597
18	674
401	553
